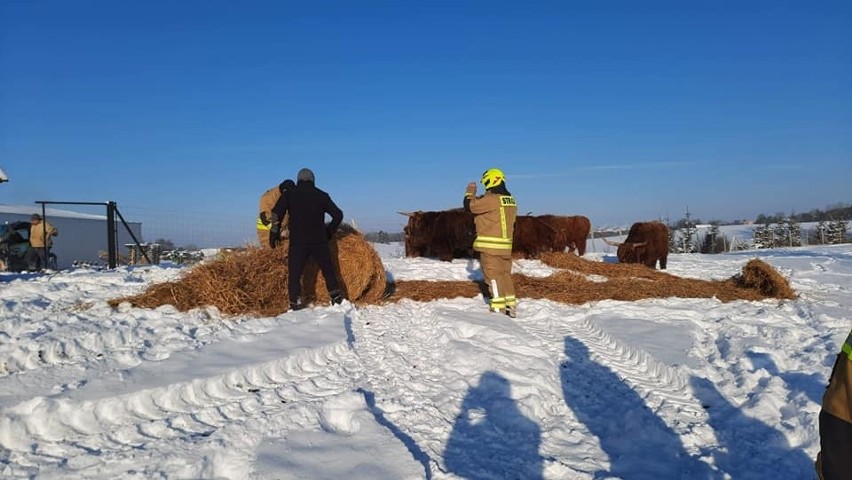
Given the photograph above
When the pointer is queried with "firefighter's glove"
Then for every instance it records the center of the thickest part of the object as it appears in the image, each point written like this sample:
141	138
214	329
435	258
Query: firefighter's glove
471	190
264	219
274	235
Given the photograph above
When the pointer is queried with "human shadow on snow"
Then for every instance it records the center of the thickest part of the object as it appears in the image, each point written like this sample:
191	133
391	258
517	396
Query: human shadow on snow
639	444
750	449
811	384
491	438
410	443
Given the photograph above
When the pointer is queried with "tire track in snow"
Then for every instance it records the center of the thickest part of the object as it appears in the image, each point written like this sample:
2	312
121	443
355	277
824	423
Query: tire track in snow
664	389
186	412
405	348
404	352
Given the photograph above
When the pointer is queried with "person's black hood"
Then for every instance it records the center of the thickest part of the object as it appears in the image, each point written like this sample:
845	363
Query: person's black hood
286	185
499	189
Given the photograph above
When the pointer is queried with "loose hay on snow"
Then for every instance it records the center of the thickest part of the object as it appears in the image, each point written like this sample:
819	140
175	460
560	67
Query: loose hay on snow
254	280
760	276
626	282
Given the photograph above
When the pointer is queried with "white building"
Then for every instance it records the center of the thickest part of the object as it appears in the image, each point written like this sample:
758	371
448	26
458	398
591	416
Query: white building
82	236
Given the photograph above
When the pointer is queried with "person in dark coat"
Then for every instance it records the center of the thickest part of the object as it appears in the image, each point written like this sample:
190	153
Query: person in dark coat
309	235
834	461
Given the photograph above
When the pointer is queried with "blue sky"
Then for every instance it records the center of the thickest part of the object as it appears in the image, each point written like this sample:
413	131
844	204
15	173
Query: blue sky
620	111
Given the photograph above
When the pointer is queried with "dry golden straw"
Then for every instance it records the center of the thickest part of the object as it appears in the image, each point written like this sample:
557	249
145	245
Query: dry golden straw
622	282
253	281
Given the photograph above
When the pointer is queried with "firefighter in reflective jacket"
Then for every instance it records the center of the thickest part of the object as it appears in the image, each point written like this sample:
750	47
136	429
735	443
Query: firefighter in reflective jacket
494	217
834	460
264	218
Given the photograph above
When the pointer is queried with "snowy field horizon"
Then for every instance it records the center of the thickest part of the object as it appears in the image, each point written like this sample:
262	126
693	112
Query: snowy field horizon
659	388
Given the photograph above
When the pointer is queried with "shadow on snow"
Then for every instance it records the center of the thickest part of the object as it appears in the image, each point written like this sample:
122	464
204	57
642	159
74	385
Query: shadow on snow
750	448
491	438
639	444
811	384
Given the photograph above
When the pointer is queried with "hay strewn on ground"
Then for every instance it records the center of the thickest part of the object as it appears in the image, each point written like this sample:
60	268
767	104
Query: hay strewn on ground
623	282
254	281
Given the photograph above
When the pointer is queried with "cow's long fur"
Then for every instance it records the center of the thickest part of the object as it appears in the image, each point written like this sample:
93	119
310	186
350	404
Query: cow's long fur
572	231
646	243
448	234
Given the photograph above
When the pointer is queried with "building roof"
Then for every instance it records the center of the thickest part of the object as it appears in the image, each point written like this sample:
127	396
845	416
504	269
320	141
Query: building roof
49	212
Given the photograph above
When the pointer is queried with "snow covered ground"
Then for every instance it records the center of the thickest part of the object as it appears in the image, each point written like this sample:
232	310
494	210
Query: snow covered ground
660	388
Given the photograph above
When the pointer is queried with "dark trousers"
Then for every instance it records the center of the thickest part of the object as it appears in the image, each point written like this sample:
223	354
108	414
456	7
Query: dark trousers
298	255
36	258
835	440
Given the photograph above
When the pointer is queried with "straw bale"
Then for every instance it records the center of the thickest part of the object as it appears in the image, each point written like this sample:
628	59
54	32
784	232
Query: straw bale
361	273
254	280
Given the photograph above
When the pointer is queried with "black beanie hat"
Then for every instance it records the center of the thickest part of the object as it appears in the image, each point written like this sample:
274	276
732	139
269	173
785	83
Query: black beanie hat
306	174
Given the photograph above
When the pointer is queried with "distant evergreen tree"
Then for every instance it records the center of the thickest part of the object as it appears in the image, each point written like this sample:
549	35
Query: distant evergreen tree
788	233
820	233
840	210
713	242
687	235
837	232
763	236
674	246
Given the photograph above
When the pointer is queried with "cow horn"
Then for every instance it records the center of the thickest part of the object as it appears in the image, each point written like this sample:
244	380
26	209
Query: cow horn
407	214
639	244
609	242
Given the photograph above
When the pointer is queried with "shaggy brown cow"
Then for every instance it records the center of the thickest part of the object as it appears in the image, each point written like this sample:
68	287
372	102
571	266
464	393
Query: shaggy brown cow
646	243
572	232
533	236
445	234
449	234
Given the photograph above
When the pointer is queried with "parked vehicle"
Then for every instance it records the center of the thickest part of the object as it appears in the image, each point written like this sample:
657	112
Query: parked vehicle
14	245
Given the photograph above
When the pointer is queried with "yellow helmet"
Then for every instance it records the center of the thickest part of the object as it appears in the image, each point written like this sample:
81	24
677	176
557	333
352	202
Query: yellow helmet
492	177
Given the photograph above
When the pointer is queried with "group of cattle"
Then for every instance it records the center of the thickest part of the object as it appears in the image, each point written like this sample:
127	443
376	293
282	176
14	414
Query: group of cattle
449	234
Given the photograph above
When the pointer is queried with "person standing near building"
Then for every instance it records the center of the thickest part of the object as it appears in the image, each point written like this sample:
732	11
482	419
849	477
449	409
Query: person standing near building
41	239
834	461
494	217
307	206
264	218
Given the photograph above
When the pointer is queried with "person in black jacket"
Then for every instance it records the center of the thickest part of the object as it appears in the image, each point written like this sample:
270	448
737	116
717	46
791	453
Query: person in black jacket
309	235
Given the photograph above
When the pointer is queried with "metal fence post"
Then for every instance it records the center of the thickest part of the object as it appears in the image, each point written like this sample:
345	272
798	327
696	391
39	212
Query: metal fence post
111	233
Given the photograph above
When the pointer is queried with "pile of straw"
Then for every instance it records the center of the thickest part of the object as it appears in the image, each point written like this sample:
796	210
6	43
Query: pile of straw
626	282
254	280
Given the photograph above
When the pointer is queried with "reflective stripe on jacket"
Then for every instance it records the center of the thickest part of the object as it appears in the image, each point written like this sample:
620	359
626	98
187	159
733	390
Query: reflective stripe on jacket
494	217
